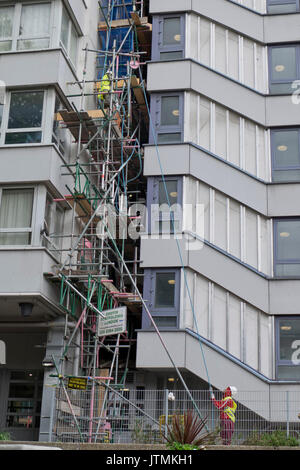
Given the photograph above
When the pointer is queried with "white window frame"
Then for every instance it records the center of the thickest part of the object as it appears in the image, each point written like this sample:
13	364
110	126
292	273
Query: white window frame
62	45
17	23
56	243
4	127
21	230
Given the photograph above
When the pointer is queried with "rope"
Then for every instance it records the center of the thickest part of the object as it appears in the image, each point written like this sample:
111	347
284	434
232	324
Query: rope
174	229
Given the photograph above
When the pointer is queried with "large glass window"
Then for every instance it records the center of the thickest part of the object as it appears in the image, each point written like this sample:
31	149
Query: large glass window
25	118
16	207
25	26
288	348
284	68
34	32
285	145
287	247
283	6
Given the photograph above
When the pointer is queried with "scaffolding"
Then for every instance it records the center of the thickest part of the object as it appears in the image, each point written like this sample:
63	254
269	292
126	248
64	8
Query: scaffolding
99	269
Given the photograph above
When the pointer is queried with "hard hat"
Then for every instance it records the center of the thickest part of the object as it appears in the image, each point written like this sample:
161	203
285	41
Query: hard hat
233	390
171	396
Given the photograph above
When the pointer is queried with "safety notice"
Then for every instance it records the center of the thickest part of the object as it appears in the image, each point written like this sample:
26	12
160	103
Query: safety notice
114	323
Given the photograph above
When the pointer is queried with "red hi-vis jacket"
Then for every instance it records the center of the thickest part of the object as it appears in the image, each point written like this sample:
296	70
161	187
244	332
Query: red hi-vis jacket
227	406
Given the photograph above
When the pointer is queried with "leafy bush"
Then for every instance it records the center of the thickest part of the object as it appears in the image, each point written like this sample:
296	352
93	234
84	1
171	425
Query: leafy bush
143	434
273	439
4	436
187	429
178	446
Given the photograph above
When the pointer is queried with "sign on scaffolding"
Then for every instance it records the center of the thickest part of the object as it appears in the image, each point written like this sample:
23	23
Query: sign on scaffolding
114	323
77	383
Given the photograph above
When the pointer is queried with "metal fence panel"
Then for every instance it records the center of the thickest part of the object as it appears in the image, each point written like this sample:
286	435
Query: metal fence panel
140	416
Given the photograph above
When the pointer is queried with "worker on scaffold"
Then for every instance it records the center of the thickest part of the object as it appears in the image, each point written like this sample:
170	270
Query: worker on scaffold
227	407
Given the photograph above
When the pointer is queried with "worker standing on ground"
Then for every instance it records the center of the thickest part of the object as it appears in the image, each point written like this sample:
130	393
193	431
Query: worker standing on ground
227	407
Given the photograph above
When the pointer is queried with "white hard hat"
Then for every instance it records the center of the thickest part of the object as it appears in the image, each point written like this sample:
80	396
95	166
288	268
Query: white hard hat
171	396
233	390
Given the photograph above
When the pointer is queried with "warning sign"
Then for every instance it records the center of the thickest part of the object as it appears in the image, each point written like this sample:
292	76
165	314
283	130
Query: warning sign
77	383
114	322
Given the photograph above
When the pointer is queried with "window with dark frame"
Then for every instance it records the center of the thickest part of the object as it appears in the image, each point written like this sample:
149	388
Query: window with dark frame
167	115
287	247
282	6
285	151
284	68
165	205
162	289
168	37
288	348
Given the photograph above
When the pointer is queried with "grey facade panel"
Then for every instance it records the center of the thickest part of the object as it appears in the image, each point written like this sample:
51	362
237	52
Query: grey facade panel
270	200
267	111
263	28
19	69
32	165
272	296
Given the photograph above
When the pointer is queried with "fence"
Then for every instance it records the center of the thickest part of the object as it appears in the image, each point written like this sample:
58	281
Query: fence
140	416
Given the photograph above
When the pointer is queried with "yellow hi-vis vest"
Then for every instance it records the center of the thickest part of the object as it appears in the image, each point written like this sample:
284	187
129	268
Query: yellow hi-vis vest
228	410
103	86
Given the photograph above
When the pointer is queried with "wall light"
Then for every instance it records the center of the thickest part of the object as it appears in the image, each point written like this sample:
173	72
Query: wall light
26	309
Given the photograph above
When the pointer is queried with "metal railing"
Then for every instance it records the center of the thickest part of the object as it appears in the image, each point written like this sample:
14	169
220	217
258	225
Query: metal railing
141	416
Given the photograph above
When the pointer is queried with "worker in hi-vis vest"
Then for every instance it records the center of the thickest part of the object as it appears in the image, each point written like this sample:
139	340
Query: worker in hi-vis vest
104	87
227	407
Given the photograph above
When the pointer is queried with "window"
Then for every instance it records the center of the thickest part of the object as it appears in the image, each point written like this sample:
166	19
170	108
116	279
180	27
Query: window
168	37
6	28
34	32
288	348
59	136
25	26
161	288
25	118
167	114
165	205
283	6
285	146
16	207
69	37
53	225
287	247
284	68
24	402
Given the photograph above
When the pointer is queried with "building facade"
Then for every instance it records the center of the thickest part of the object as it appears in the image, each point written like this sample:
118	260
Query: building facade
224	146
41	63
221	269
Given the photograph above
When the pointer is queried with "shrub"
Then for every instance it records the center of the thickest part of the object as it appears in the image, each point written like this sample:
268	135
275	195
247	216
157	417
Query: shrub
4	436
188	430
274	439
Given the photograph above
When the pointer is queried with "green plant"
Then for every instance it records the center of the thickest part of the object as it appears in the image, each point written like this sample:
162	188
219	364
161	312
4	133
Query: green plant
178	446
143	434
187	429
274	439
4	436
